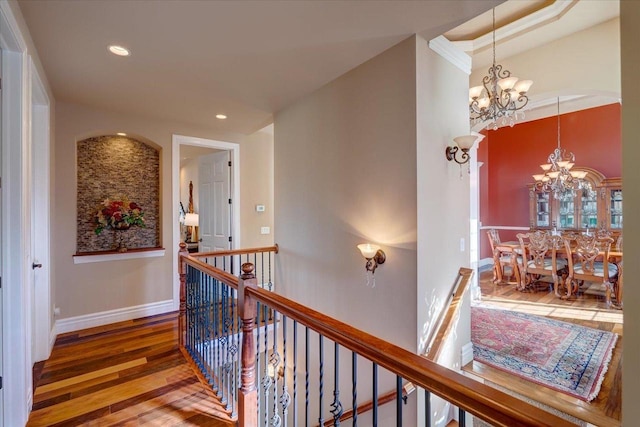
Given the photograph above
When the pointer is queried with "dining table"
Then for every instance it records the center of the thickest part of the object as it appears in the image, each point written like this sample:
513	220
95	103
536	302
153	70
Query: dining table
615	257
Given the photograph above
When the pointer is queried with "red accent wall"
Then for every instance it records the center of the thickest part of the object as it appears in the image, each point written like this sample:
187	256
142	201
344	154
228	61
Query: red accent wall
512	154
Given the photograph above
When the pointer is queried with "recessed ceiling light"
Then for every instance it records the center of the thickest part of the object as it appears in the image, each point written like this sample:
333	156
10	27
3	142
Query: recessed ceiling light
121	134
221	116
119	50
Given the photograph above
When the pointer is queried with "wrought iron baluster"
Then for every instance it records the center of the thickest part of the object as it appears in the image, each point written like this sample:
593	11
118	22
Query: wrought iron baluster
306	377
321	380
216	331
295	373
398	400
258	377
266	378
462	418
276	420
285	398
354	387
336	406
224	344
234	352
375	395
207	342
427	408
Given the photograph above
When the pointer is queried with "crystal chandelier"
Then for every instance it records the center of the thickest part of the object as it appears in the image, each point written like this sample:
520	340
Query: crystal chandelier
501	96
558	178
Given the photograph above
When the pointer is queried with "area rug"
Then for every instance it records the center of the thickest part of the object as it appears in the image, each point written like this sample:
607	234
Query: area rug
565	357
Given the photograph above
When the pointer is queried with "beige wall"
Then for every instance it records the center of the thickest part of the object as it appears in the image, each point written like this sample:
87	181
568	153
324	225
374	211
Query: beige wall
443	201
345	173
630	34
91	288
257	149
362	159
586	62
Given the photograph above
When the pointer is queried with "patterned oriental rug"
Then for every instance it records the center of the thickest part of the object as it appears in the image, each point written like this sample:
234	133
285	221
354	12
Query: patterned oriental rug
568	358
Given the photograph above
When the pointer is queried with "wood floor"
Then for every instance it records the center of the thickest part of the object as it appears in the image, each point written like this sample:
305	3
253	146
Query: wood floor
586	309
125	374
133	373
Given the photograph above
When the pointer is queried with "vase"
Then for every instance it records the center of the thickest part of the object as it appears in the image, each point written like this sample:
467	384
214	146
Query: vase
118	238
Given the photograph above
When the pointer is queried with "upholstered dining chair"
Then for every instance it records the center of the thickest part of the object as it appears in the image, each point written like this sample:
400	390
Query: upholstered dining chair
589	261
503	256
539	258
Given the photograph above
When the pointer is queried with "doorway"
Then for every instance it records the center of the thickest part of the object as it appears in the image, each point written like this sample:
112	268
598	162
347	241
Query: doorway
232	153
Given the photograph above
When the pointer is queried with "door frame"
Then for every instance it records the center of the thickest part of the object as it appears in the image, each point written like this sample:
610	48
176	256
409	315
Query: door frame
234	149
16	309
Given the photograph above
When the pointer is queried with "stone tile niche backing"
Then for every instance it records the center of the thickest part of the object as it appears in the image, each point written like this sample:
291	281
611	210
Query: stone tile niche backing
112	167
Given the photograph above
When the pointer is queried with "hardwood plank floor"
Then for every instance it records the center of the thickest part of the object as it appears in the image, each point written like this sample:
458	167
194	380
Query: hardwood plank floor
126	374
588	308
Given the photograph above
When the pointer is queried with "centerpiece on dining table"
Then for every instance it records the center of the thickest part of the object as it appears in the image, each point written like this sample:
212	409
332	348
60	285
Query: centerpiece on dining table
118	214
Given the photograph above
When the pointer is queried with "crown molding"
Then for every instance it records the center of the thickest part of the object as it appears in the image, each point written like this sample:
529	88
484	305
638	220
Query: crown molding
522	26
449	51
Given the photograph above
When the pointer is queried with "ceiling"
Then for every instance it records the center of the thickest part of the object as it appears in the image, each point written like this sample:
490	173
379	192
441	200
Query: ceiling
192	60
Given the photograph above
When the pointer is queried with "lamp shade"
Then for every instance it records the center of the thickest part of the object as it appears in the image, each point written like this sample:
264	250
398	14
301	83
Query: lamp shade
475	92
368	250
191	219
465	141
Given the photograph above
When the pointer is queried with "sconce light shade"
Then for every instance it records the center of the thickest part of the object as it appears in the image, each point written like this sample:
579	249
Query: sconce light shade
373	254
191	219
464	143
368	250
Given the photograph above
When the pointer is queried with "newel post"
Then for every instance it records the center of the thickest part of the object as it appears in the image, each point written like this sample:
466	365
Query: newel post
248	396
182	269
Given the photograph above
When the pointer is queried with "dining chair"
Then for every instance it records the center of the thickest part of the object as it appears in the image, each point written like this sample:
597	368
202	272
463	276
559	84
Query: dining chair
539	258
503	256
589	261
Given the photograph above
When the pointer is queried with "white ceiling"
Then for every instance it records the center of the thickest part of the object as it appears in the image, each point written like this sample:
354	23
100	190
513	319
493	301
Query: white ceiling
248	59
194	59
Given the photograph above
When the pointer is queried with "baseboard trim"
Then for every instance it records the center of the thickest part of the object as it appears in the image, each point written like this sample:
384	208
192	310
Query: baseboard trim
112	316
467	354
485	262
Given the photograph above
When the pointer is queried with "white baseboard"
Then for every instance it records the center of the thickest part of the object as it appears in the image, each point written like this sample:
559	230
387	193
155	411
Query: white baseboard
52	337
485	262
466	354
112	316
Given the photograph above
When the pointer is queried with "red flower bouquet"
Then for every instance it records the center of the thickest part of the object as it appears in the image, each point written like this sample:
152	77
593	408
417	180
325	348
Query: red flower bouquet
118	215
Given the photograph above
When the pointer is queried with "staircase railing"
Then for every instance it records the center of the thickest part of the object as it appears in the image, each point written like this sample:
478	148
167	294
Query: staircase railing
296	366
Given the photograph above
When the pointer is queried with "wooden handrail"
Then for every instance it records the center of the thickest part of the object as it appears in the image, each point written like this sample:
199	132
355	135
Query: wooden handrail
485	402
216	273
273	248
445	324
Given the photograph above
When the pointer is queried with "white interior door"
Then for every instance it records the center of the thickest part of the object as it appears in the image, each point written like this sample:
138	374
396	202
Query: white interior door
40	292
215	203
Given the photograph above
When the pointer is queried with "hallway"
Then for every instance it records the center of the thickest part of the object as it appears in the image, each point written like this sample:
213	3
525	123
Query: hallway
127	374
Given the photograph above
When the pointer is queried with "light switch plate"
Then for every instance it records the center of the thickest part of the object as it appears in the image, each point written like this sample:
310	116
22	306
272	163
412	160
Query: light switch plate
259	208
265	230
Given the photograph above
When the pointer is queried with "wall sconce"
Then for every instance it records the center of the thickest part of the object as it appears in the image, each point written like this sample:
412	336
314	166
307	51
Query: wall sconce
463	143
191	220
373	254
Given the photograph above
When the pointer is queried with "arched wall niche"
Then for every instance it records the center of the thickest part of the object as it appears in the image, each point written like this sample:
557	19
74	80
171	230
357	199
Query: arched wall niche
117	168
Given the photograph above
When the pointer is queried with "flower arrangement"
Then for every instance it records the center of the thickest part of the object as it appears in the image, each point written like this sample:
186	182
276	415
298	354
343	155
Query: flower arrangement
118	215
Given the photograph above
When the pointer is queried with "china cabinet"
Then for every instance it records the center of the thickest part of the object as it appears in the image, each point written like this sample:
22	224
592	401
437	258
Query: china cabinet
580	210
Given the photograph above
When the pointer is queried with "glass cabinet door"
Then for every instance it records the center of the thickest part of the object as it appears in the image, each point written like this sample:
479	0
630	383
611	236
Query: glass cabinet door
615	210
589	210
542	210
567	210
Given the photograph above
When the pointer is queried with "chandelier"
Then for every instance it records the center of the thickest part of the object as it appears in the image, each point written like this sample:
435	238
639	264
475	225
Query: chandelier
501	96
558	178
